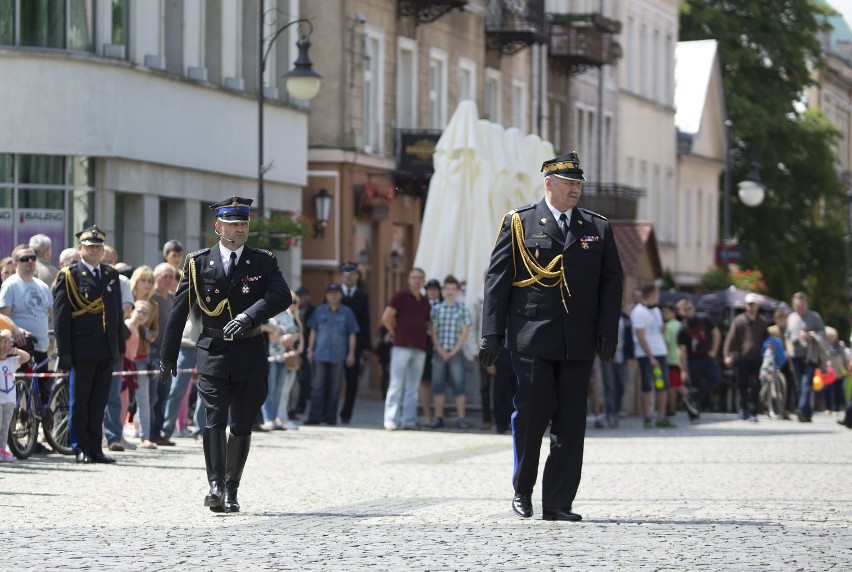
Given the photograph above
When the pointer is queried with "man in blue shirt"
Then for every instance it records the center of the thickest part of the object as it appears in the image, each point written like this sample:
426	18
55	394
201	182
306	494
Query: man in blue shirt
331	344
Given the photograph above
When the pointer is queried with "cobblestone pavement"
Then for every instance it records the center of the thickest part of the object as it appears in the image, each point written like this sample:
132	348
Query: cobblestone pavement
720	495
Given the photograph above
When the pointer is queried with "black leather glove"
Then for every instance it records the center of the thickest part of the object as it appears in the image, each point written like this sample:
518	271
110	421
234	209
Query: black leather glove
606	348
237	325
168	369
489	349
64	363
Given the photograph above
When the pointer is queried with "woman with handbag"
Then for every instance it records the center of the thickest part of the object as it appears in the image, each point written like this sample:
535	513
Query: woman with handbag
285	344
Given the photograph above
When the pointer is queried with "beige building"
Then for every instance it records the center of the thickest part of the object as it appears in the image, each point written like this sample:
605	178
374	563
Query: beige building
646	135
701	149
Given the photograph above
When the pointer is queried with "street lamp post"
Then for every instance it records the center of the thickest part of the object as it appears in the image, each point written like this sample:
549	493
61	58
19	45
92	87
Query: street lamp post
750	191
302	83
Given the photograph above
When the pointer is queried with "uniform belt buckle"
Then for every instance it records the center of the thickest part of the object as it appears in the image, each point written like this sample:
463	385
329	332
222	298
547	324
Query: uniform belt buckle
227	337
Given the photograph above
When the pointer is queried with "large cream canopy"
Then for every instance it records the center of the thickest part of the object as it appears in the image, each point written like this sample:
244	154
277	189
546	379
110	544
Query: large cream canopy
481	172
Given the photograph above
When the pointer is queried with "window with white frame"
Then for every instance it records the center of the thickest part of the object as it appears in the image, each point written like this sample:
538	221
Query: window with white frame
467	80
492	95
554	123
579	143
668	95
607	167
631	49
372	112
437	88
406	83
642	183
659	204
687	217
519	104
656	67
642	61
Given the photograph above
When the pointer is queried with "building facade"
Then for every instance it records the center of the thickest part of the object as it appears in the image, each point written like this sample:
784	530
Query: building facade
136	115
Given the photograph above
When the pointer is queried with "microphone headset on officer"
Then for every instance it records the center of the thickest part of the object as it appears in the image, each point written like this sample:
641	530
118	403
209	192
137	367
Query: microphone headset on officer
223	237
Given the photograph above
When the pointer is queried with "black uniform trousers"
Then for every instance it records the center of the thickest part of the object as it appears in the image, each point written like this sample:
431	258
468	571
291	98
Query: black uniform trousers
240	400
90	382
552	392
351	375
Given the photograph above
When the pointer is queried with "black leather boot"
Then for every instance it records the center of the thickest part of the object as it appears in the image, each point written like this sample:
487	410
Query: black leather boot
238	449
214	458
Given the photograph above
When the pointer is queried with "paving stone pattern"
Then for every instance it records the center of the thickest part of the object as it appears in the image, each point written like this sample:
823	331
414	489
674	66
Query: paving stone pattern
721	495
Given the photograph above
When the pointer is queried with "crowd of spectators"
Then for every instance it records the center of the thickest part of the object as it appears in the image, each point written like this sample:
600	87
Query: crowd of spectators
425	347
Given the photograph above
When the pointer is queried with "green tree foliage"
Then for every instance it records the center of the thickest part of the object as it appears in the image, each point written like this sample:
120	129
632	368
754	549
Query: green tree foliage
767	49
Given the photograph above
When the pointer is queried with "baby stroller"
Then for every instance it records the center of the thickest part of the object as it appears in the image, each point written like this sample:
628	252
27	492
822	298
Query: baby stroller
773	386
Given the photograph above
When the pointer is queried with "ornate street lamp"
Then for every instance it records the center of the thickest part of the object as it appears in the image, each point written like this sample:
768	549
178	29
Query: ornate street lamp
322	207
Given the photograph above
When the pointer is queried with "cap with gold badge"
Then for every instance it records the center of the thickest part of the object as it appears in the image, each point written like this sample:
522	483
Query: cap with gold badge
233	209
91	236
565	166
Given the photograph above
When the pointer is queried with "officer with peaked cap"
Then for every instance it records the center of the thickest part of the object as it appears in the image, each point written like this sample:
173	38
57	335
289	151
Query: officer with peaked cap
89	329
553	290
236	288
359	302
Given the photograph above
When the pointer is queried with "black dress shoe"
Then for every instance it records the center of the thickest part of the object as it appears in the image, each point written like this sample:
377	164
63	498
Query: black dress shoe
844	423
231	504
522	505
215	497
84	458
99	457
560	514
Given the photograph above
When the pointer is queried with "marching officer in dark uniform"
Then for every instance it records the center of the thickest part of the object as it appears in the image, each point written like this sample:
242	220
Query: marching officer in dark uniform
236	288
89	329
357	301
553	289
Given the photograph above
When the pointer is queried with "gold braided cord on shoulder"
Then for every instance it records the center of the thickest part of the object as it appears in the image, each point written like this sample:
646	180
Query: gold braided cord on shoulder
80	305
220	307
555	270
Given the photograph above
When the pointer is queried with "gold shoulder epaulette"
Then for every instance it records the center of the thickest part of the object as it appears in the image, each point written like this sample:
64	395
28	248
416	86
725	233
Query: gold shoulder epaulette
593	213
197	252
266	252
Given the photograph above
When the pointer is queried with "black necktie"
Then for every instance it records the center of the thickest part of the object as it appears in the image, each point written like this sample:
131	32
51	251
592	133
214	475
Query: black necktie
96	272
563	225
233	265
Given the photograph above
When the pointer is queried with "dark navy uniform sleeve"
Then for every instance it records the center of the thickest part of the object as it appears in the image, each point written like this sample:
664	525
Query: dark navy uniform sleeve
62	315
610	285
498	282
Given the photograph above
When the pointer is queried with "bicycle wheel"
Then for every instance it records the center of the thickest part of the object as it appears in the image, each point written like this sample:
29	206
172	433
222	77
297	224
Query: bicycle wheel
57	418
23	430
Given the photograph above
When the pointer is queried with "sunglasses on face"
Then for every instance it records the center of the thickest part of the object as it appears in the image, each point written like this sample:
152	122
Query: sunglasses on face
31	258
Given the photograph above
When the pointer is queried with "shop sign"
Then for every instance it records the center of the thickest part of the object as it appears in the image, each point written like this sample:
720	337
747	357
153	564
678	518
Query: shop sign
414	150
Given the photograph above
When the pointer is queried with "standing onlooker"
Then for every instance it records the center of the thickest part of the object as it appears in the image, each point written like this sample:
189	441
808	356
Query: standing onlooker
142	288
45	270
139	316
285	346
615	373
651	354
28	302
90	339
7	268
305	310
11	359
450	321
68	256
698	345
357	300
173	254
433	296
181	383
676	388
331	344
805	342
742	350
165	277
407	319
838	356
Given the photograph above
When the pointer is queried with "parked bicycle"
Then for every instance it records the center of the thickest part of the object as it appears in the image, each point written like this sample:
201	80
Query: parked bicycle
773	386
53	414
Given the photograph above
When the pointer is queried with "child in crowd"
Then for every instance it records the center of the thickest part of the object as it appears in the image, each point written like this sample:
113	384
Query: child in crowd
11	359
676	387
137	320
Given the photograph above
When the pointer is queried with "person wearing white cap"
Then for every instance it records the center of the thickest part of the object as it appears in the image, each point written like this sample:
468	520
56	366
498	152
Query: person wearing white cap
742	351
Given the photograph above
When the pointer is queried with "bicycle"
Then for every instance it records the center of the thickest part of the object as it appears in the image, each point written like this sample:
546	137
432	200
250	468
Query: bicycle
29	411
773	386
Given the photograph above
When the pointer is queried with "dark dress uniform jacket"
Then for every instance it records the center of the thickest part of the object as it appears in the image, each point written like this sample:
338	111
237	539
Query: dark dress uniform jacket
359	303
85	336
256	289
533	317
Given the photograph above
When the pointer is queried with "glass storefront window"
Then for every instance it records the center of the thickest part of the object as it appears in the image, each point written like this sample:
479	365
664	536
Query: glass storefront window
5	168
364	242
41	169
7	22
43	23
82	212
6	198
82	172
41	199
119	22
81	26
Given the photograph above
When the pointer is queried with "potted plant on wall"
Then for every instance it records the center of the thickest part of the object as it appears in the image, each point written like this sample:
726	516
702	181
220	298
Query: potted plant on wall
281	231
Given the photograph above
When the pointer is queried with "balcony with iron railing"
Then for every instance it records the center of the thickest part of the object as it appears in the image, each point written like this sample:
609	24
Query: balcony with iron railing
580	41
512	25
425	11
612	200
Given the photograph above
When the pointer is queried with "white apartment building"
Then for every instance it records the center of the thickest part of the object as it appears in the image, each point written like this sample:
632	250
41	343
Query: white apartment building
646	132
136	115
